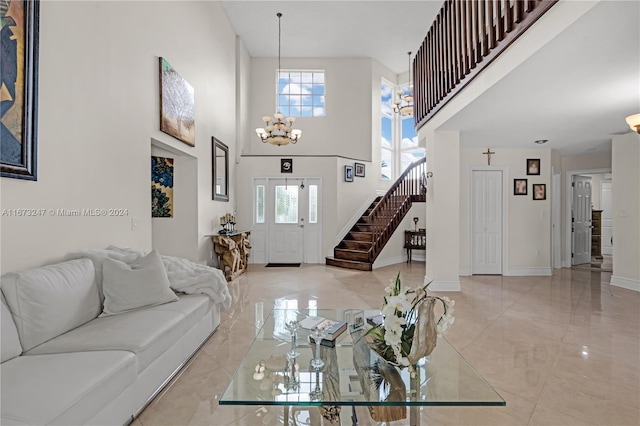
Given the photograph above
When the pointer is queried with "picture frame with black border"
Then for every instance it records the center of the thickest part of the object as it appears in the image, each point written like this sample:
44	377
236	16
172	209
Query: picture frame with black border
348	173
533	166
539	191
520	186
286	165
359	169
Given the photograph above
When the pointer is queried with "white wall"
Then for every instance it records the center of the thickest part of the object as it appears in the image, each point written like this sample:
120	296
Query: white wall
626	211
529	221
99	108
346	129
394	251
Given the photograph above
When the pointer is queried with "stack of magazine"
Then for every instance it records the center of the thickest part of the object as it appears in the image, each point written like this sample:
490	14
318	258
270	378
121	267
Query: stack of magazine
333	328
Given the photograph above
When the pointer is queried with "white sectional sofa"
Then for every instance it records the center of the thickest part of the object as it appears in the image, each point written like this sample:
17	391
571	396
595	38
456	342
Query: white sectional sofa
82	345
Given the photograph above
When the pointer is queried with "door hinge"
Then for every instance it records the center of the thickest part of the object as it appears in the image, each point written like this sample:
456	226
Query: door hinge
571	254
573	184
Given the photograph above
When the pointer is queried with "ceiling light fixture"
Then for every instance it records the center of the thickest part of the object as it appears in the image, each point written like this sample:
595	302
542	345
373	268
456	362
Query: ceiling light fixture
541	141
404	103
279	130
634	122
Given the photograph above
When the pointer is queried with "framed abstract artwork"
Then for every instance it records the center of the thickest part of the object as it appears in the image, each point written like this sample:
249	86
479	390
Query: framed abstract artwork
177	105
359	169
19	88
161	187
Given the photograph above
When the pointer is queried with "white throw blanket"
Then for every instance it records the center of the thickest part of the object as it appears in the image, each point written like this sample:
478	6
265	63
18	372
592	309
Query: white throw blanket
184	276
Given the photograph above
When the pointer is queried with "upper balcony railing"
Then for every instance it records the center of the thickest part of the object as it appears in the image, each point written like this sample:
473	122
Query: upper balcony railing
466	36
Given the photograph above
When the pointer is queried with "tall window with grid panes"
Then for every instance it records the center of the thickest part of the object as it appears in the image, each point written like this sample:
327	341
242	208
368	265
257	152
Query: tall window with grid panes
398	137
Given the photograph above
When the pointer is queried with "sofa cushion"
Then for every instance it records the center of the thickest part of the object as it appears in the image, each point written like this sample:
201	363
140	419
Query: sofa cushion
63	388
10	344
131	286
146	332
48	301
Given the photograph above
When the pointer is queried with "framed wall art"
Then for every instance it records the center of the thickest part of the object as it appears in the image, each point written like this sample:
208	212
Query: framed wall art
533	166
286	165
161	187
539	191
359	169
19	89
348	173
520	187
177	105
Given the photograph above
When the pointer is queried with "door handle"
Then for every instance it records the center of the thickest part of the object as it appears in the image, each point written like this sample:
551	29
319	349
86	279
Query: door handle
301	226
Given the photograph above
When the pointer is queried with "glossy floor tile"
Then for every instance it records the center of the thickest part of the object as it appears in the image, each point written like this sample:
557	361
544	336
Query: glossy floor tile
561	350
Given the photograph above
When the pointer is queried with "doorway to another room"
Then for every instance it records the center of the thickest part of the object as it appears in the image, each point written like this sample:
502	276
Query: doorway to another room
590	219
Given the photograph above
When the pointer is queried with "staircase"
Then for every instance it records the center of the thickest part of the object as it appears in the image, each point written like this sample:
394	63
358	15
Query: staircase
368	236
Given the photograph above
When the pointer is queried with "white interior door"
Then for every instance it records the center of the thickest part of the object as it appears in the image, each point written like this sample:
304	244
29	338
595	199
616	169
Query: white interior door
286	225
486	223
581	210
607	218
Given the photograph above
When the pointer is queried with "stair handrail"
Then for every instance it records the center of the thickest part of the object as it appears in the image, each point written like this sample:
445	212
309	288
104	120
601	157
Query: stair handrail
392	207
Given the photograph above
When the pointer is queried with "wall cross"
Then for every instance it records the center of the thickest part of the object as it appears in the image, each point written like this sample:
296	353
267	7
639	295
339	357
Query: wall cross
488	154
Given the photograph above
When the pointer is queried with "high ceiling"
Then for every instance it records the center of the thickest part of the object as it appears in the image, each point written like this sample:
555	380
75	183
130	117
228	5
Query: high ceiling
576	91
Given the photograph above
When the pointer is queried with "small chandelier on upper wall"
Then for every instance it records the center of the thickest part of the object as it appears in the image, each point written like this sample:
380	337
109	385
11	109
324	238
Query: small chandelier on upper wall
404	102
278	129
634	122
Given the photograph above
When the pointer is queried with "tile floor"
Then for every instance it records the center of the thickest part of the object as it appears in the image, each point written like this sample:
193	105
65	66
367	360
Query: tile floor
561	350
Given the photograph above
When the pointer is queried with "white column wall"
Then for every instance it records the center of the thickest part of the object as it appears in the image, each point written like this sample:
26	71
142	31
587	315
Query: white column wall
443	210
626	211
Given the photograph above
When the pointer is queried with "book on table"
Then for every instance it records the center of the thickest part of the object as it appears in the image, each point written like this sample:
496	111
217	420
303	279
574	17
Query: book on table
333	328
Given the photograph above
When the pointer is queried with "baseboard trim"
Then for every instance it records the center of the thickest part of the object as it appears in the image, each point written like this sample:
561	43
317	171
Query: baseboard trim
529	272
627	283
441	285
381	263
464	271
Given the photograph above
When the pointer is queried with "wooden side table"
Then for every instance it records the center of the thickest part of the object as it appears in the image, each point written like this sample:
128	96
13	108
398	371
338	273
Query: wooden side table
415	240
233	253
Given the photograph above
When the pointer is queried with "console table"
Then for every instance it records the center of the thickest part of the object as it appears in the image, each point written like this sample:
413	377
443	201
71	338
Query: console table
233	253
415	240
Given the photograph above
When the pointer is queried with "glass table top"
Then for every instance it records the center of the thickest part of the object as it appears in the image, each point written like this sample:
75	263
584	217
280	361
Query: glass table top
352	374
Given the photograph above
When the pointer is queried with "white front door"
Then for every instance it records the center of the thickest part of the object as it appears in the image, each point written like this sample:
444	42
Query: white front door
581	211
286	228
607	218
486	211
290	227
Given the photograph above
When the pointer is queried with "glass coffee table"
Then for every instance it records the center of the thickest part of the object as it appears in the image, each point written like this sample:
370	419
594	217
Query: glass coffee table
352	375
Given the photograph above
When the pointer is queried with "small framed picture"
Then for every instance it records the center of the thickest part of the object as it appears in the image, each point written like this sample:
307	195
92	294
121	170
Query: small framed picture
359	169
539	191
520	187
286	165
533	166
348	173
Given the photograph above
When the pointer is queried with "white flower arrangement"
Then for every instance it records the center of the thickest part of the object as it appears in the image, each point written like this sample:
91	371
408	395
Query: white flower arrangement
393	339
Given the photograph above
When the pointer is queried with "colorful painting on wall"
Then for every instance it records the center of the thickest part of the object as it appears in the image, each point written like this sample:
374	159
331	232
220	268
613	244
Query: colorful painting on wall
177	105
18	88
161	187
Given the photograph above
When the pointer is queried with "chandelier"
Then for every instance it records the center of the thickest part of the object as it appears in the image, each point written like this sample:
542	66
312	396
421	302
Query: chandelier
634	122
278	129
404	102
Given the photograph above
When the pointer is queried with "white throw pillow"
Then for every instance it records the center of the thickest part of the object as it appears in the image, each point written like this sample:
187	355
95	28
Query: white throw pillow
48	301
141	283
10	345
